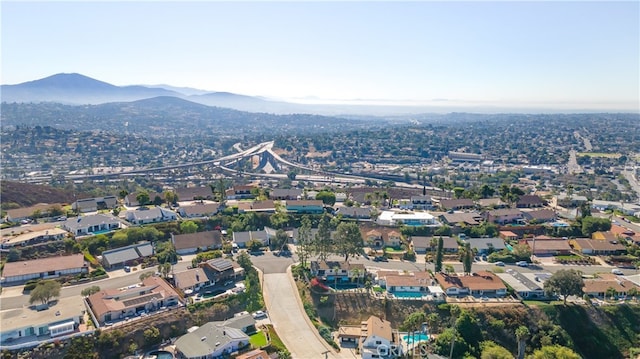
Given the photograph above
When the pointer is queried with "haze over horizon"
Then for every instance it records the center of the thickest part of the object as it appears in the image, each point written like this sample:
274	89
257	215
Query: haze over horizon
547	55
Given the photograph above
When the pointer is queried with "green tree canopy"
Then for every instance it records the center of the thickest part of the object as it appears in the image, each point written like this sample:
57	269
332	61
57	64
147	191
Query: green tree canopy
554	352
564	282
348	239
90	290
491	350
188	227
327	197
45	291
143	198
439	254
594	224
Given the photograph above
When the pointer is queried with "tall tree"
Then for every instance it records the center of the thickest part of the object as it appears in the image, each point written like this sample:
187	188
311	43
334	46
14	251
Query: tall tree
522	334
323	245
467	258
439	254
45	291
348	240
303	248
564	282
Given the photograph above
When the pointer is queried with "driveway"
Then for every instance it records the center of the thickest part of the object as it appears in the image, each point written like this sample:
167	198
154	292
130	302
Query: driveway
291	322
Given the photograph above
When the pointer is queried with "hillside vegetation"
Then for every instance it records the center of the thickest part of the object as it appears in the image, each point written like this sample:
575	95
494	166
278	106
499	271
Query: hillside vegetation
592	332
26	194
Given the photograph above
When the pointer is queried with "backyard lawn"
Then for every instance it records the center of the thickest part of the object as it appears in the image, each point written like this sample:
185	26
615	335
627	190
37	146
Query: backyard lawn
258	340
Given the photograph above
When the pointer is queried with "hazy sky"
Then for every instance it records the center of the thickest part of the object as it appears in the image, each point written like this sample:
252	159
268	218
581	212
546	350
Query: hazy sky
547	54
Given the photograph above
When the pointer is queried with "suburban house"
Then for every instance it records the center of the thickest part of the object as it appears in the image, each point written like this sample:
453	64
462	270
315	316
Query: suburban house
486	245
254	354
597	247
295	234
199	210
382	237
211	340
122	256
393	218
94	204
131	200
355	212
421	202
597	288
220	269
305	206
192	280
458	219
549	247
604	236
622	232
20	214
28	325
29	238
194	193
423	244
629	209
193	242
341	271
282	194
239	192
527	285
242	238
504	215
530	201
494	202
419	283
51	267
268	206
480	284
150	215
507	235
91	224
114	304
456	204
540	215
570	201
377	335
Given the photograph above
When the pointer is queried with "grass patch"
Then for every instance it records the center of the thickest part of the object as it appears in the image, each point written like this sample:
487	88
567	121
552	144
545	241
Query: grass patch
258	340
378	289
276	343
394	250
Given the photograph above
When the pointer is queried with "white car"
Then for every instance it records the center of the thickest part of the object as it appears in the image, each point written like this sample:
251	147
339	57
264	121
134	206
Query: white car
617	271
259	314
522	264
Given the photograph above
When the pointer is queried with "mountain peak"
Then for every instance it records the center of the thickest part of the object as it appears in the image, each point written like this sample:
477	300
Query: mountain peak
71	80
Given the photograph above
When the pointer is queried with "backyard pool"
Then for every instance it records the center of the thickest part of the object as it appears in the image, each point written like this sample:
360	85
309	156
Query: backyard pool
407	294
418	337
509	247
160	354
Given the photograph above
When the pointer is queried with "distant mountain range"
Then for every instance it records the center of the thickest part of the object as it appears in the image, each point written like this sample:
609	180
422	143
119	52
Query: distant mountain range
77	89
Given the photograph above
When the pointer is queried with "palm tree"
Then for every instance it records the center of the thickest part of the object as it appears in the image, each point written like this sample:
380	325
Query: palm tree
522	333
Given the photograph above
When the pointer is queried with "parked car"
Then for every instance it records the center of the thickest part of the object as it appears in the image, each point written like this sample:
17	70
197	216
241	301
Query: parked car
522	264
259	314
127	269
499	264
380	259
617	271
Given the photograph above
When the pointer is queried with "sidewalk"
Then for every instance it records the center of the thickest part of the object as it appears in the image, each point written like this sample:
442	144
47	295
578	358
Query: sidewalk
12	291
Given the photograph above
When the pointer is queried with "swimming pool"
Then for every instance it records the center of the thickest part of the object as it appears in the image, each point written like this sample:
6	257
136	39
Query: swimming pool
509	247
418	337
407	294
161	354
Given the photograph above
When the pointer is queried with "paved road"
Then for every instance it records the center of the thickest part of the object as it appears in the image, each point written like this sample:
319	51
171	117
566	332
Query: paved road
290	320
